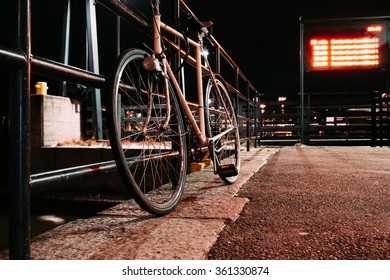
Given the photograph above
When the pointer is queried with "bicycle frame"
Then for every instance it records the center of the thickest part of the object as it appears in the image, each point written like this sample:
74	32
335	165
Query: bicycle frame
152	158
199	130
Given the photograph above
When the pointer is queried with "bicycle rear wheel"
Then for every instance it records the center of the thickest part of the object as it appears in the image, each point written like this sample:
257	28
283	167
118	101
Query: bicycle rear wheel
152	160
220	117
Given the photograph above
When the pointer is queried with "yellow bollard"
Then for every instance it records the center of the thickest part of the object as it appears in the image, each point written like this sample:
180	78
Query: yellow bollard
41	88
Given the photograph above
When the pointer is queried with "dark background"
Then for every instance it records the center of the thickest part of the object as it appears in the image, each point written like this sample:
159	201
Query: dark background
263	39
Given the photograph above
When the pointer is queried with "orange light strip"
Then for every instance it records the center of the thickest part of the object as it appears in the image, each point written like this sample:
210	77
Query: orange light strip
346	52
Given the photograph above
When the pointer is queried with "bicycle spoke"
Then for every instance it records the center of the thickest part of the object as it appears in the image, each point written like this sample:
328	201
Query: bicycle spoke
151	157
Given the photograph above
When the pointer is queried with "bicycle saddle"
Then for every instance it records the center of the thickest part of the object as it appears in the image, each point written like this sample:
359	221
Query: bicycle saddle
198	28
200	23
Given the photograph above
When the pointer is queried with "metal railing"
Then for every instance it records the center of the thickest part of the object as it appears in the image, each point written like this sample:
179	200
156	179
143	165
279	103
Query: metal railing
22	64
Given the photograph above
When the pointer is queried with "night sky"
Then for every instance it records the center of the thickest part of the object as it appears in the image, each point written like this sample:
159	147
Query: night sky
264	39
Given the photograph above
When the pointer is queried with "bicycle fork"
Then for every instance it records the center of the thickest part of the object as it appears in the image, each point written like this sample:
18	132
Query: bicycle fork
159	66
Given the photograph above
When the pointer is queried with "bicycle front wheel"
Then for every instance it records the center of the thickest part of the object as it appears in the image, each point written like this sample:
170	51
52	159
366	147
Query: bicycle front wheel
151	157
221	123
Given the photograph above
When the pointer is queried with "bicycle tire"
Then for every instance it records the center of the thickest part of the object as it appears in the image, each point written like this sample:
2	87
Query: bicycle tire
152	165
219	115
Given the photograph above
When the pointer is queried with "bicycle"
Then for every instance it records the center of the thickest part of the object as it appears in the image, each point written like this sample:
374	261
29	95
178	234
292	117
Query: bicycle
149	120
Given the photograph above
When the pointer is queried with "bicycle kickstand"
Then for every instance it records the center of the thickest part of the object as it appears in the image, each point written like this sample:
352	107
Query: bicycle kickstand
225	170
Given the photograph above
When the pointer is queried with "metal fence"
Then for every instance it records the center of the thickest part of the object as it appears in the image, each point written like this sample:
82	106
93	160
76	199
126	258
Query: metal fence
329	118
77	66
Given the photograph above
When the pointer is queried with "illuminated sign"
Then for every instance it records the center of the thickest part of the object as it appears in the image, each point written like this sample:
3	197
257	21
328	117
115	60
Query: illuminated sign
347	46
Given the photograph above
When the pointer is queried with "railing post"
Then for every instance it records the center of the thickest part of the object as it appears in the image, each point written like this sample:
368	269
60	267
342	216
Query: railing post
256	117
248	123
302	88
93	65
65	43
19	138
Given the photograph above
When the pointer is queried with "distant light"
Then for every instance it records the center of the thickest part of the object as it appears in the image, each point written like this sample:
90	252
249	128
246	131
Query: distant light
262	107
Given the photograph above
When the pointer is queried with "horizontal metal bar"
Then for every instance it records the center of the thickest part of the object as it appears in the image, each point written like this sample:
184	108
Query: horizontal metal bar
349	19
69	73
52	68
12	57
50	180
126	13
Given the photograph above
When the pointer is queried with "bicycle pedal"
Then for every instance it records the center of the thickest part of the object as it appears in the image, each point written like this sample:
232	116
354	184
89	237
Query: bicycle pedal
227	170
